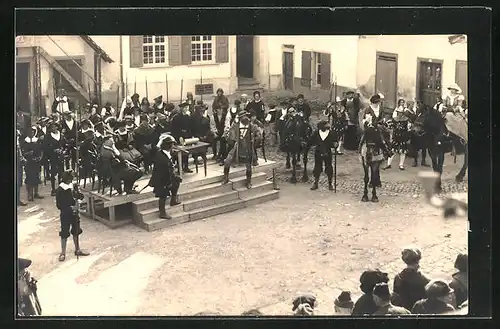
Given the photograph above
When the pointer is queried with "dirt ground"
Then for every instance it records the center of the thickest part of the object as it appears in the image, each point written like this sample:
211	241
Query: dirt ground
258	257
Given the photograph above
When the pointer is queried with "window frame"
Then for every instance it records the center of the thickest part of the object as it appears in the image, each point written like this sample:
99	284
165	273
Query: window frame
153	44
315	67
201	42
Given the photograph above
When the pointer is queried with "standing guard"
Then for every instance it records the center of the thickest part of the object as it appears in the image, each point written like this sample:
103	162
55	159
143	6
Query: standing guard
303	107
257	106
32	151
352	105
340	123
69	127
181	127
202	123
220	127
163	179
190	102
324	140
54	150
242	137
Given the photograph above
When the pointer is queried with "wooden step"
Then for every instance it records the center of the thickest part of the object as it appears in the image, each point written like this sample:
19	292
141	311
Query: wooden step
198	192
241	181
259	198
257	188
153	223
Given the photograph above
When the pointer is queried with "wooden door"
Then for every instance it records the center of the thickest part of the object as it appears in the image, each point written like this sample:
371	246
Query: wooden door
244	51
430	82
288	70
23	87
386	79
461	76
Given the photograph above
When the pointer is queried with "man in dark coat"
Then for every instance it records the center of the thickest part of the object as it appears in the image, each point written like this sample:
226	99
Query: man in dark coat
352	105
66	196
438	301
409	284
62	103
54	149
220	127
181	127
369	279
69	127
324	140
163	179
303	107
159	105
33	153
144	139
382	298
257	106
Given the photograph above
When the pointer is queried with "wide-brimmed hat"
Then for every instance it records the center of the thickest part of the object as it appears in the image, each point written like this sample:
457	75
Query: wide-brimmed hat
455	86
158	98
344	300
165	138
437	289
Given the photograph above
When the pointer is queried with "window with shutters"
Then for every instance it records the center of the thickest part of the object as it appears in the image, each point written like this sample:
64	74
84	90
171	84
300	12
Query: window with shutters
315	69
154	49
202	49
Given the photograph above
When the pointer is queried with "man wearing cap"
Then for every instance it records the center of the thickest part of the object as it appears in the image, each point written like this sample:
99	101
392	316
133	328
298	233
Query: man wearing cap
220	101
220	126
159	105
323	139
257	106
181	126
352	106
303	107
163	179
438	301
242	138
33	153
54	149
409	284
365	304
66	201
343	304
371	115
69	128
382	298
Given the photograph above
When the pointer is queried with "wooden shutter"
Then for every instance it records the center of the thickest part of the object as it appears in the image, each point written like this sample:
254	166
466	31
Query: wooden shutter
186	50
306	69
221	49
325	71
174	50
136	51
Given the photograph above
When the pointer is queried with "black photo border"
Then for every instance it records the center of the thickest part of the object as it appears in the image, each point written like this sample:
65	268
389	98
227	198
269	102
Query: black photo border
475	22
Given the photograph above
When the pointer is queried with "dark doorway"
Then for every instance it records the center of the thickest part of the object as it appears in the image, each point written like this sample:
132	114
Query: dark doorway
288	70
23	87
429	82
461	76
386	78
244	55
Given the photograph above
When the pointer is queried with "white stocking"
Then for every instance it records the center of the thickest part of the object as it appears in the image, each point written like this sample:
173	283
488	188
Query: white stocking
389	160
339	148
402	159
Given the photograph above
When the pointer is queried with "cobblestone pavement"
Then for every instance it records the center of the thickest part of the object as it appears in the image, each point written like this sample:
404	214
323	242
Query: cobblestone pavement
259	257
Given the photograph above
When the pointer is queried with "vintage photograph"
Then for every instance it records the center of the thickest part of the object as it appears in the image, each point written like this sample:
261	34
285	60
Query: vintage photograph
252	175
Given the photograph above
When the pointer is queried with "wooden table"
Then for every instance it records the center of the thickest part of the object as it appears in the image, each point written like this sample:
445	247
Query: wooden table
197	150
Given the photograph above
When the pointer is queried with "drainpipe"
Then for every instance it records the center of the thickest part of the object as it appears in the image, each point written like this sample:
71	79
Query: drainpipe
121	68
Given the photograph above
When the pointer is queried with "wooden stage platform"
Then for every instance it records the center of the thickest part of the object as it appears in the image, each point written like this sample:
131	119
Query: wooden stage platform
118	210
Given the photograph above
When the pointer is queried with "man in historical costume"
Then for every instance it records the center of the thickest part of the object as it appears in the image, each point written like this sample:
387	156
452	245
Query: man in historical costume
400	136
202	123
164	180
220	101
257	106
110	123
33	153
69	128
144	139
371	115
130	122
272	118
324	140
94	117
20	162
283	115
242	137
340	123
190	102
159	105
136	104
124	142
352	105
117	168
453	102
99	133
62	103
146	106
41	133
181	127
260	125
126	108
244	101
89	151
54	149
220	127
303	107
67	195
108	111
161	125
234	110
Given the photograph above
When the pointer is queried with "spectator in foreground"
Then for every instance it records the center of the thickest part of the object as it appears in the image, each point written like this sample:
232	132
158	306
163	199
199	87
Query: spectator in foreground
439	297
304	305
382	298
343	304
460	282
365	304
409	284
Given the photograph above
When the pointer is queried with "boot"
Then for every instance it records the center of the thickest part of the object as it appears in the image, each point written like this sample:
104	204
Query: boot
187	170
21	203
161	208
36	195
226	176
62	256
249	180
315	184
78	251
330	185
29	190
174	201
